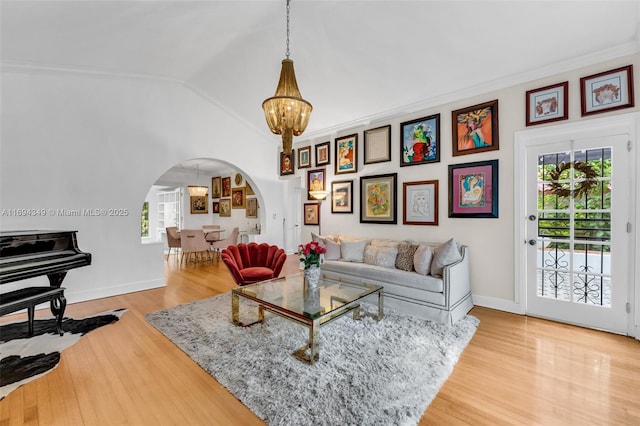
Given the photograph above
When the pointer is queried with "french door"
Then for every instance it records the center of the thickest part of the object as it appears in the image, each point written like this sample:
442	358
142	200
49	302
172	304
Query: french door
576	224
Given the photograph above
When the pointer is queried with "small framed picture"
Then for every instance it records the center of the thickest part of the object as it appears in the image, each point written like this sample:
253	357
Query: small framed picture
304	157
315	181
377	145
287	163
199	204
420	202
215	209
342	196
225	207
238	198
311	213
420	141
216	187
226	186
547	104
252	208
347	154
473	189
378	199
322	154
249	189
607	91
475	128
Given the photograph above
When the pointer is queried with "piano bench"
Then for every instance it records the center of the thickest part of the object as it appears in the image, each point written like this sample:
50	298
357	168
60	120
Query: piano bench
30	297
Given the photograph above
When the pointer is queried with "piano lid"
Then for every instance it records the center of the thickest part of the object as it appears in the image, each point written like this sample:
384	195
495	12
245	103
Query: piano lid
19	243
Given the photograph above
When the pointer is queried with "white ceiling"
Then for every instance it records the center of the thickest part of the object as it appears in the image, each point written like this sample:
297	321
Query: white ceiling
354	60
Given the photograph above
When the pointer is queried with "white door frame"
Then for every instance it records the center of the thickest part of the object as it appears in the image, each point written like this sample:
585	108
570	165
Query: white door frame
620	124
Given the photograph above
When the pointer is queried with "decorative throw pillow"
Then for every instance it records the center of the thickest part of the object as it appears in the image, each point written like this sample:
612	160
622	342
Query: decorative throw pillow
353	251
370	253
321	238
333	250
404	259
386	257
444	255
422	259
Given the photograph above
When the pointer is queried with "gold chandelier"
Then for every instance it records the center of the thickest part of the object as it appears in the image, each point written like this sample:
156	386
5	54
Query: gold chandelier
286	112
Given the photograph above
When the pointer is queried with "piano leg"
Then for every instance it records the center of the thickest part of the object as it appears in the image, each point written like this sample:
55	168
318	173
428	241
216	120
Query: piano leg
57	308
55	280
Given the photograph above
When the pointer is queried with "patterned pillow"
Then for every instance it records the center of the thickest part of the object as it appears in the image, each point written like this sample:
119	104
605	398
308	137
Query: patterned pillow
422	259
353	251
444	255
404	259
386	257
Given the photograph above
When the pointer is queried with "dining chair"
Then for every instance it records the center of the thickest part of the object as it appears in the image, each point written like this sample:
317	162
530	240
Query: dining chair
173	239
211	233
232	239
193	243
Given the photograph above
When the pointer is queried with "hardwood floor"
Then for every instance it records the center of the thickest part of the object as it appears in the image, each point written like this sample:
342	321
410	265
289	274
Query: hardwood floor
516	370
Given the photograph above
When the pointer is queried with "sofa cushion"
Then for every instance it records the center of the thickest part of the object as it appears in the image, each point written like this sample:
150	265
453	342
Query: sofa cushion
386	257
256	273
370	253
404	259
353	251
333	250
444	255
422	259
384	243
322	238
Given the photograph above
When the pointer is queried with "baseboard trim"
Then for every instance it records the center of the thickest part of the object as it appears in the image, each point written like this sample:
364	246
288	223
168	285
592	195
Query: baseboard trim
499	304
83	296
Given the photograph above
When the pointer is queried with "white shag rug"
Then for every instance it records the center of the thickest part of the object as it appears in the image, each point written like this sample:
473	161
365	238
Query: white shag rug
369	372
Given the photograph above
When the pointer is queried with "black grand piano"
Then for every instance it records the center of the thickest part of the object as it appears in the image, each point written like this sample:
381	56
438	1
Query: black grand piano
29	254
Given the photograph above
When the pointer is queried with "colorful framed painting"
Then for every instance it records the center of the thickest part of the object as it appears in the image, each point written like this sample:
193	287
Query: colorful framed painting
475	129
420	141
322	154
377	145
216	187
342	196
252	208
238	198
473	189
378	199
287	163
607	91
225	207
311	214
315	181
199	204
226	186
346	154
548	104
215	207
304	157
420	200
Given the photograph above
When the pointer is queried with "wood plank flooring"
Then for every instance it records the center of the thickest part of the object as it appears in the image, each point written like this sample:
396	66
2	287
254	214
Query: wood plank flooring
516	371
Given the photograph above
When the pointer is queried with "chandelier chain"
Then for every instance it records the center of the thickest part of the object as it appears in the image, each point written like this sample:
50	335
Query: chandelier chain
288	10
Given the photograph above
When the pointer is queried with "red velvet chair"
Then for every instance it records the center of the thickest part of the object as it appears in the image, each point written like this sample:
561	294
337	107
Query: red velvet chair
251	263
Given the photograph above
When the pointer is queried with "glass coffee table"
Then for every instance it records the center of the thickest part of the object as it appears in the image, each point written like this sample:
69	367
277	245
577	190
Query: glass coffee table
292	299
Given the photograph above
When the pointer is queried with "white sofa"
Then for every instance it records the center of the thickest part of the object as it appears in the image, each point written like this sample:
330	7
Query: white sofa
435	286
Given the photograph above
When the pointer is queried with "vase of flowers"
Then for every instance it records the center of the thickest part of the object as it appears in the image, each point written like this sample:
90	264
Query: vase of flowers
311	255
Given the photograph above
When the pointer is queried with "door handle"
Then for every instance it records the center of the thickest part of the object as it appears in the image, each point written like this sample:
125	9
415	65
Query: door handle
532	218
532	242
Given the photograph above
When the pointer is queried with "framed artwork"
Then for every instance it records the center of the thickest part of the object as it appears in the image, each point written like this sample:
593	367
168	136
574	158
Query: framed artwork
252	208
215	209
475	128
249	189
238	179
377	145
199	204
225	207
226	186
311	214
473	189
547	104
420	202
238	198
287	163
315	181
304	157
322	154
342	196
420	141
607	91
347	154
378	199
216	187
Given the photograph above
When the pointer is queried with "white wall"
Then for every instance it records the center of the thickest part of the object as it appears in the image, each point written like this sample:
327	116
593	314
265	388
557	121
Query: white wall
74	141
491	241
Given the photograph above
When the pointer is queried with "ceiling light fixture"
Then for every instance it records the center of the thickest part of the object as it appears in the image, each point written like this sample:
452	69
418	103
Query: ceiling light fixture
286	112
197	190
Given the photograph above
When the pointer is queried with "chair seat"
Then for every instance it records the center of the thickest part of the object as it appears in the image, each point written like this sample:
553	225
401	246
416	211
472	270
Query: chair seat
256	273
